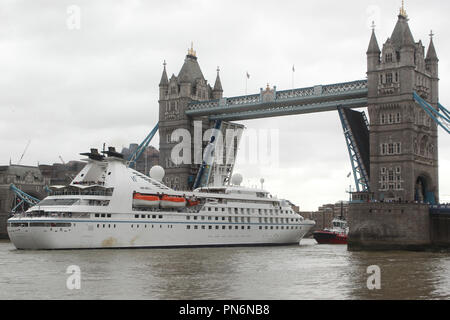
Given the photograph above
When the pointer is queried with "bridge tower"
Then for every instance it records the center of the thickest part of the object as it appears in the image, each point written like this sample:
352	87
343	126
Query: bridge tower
403	138
174	96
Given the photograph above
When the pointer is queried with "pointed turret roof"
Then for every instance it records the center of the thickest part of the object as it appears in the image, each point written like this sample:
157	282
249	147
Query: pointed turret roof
218	84
190	71
402	36
164	80
373	44
431	53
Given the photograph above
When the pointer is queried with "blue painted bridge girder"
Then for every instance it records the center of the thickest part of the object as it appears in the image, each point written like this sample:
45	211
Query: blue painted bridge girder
270	103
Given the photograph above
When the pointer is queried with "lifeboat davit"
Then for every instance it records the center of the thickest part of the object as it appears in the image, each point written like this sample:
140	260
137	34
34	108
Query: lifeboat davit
172	202
145	200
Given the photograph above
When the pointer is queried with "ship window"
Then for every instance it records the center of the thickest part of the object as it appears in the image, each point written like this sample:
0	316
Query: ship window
216	209
217	218
223	227
188	227
230	227
154	216
248	227
242	227
103	215
209	218
114	226
160	216
136	216
265	227
209	227
203	217
223	218
195	217
195	227
260	227
203	227
188	217
142	215
97	215
109	226
217	227
103	226
98	225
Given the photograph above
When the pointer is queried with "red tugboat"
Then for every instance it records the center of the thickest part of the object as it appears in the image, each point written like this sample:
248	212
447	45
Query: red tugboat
336	235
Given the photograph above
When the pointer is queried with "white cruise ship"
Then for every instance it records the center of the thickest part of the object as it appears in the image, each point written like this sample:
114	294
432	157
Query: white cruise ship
109	205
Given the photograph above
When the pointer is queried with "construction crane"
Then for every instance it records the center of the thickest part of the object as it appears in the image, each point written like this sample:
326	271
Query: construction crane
62	160
23	153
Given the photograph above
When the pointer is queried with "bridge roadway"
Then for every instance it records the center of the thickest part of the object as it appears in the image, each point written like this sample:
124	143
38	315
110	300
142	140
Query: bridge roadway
270	103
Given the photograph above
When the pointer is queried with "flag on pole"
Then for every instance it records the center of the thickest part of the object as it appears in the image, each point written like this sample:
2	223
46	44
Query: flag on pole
349	174
293	68
248	76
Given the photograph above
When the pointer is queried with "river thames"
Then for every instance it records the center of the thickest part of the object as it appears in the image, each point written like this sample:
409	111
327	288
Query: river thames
305	271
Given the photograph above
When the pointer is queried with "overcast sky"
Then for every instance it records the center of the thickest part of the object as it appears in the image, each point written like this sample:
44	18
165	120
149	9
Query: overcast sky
67	89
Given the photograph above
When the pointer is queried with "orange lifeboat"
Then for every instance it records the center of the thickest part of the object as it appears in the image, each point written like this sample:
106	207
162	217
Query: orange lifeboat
172	202
191	202
145	200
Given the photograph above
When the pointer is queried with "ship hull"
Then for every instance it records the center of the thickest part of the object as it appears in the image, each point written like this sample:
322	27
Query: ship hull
324	237
147	234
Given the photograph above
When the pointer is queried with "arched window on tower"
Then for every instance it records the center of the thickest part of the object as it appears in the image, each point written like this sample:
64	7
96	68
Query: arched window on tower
388	57
389	78
423	145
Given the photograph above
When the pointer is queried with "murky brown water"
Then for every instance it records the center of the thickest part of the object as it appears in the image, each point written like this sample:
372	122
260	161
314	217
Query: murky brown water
307	271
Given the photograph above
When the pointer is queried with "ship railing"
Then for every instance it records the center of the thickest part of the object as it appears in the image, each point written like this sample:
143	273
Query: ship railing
82	193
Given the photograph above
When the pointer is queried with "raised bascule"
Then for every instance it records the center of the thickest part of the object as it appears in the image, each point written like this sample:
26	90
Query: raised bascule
394	153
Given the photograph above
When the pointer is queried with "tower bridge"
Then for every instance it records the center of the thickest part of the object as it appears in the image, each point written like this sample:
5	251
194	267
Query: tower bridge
396	160
273	103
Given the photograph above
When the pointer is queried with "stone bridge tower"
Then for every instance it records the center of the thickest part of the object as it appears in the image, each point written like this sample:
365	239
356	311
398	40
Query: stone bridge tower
174	96
403	138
